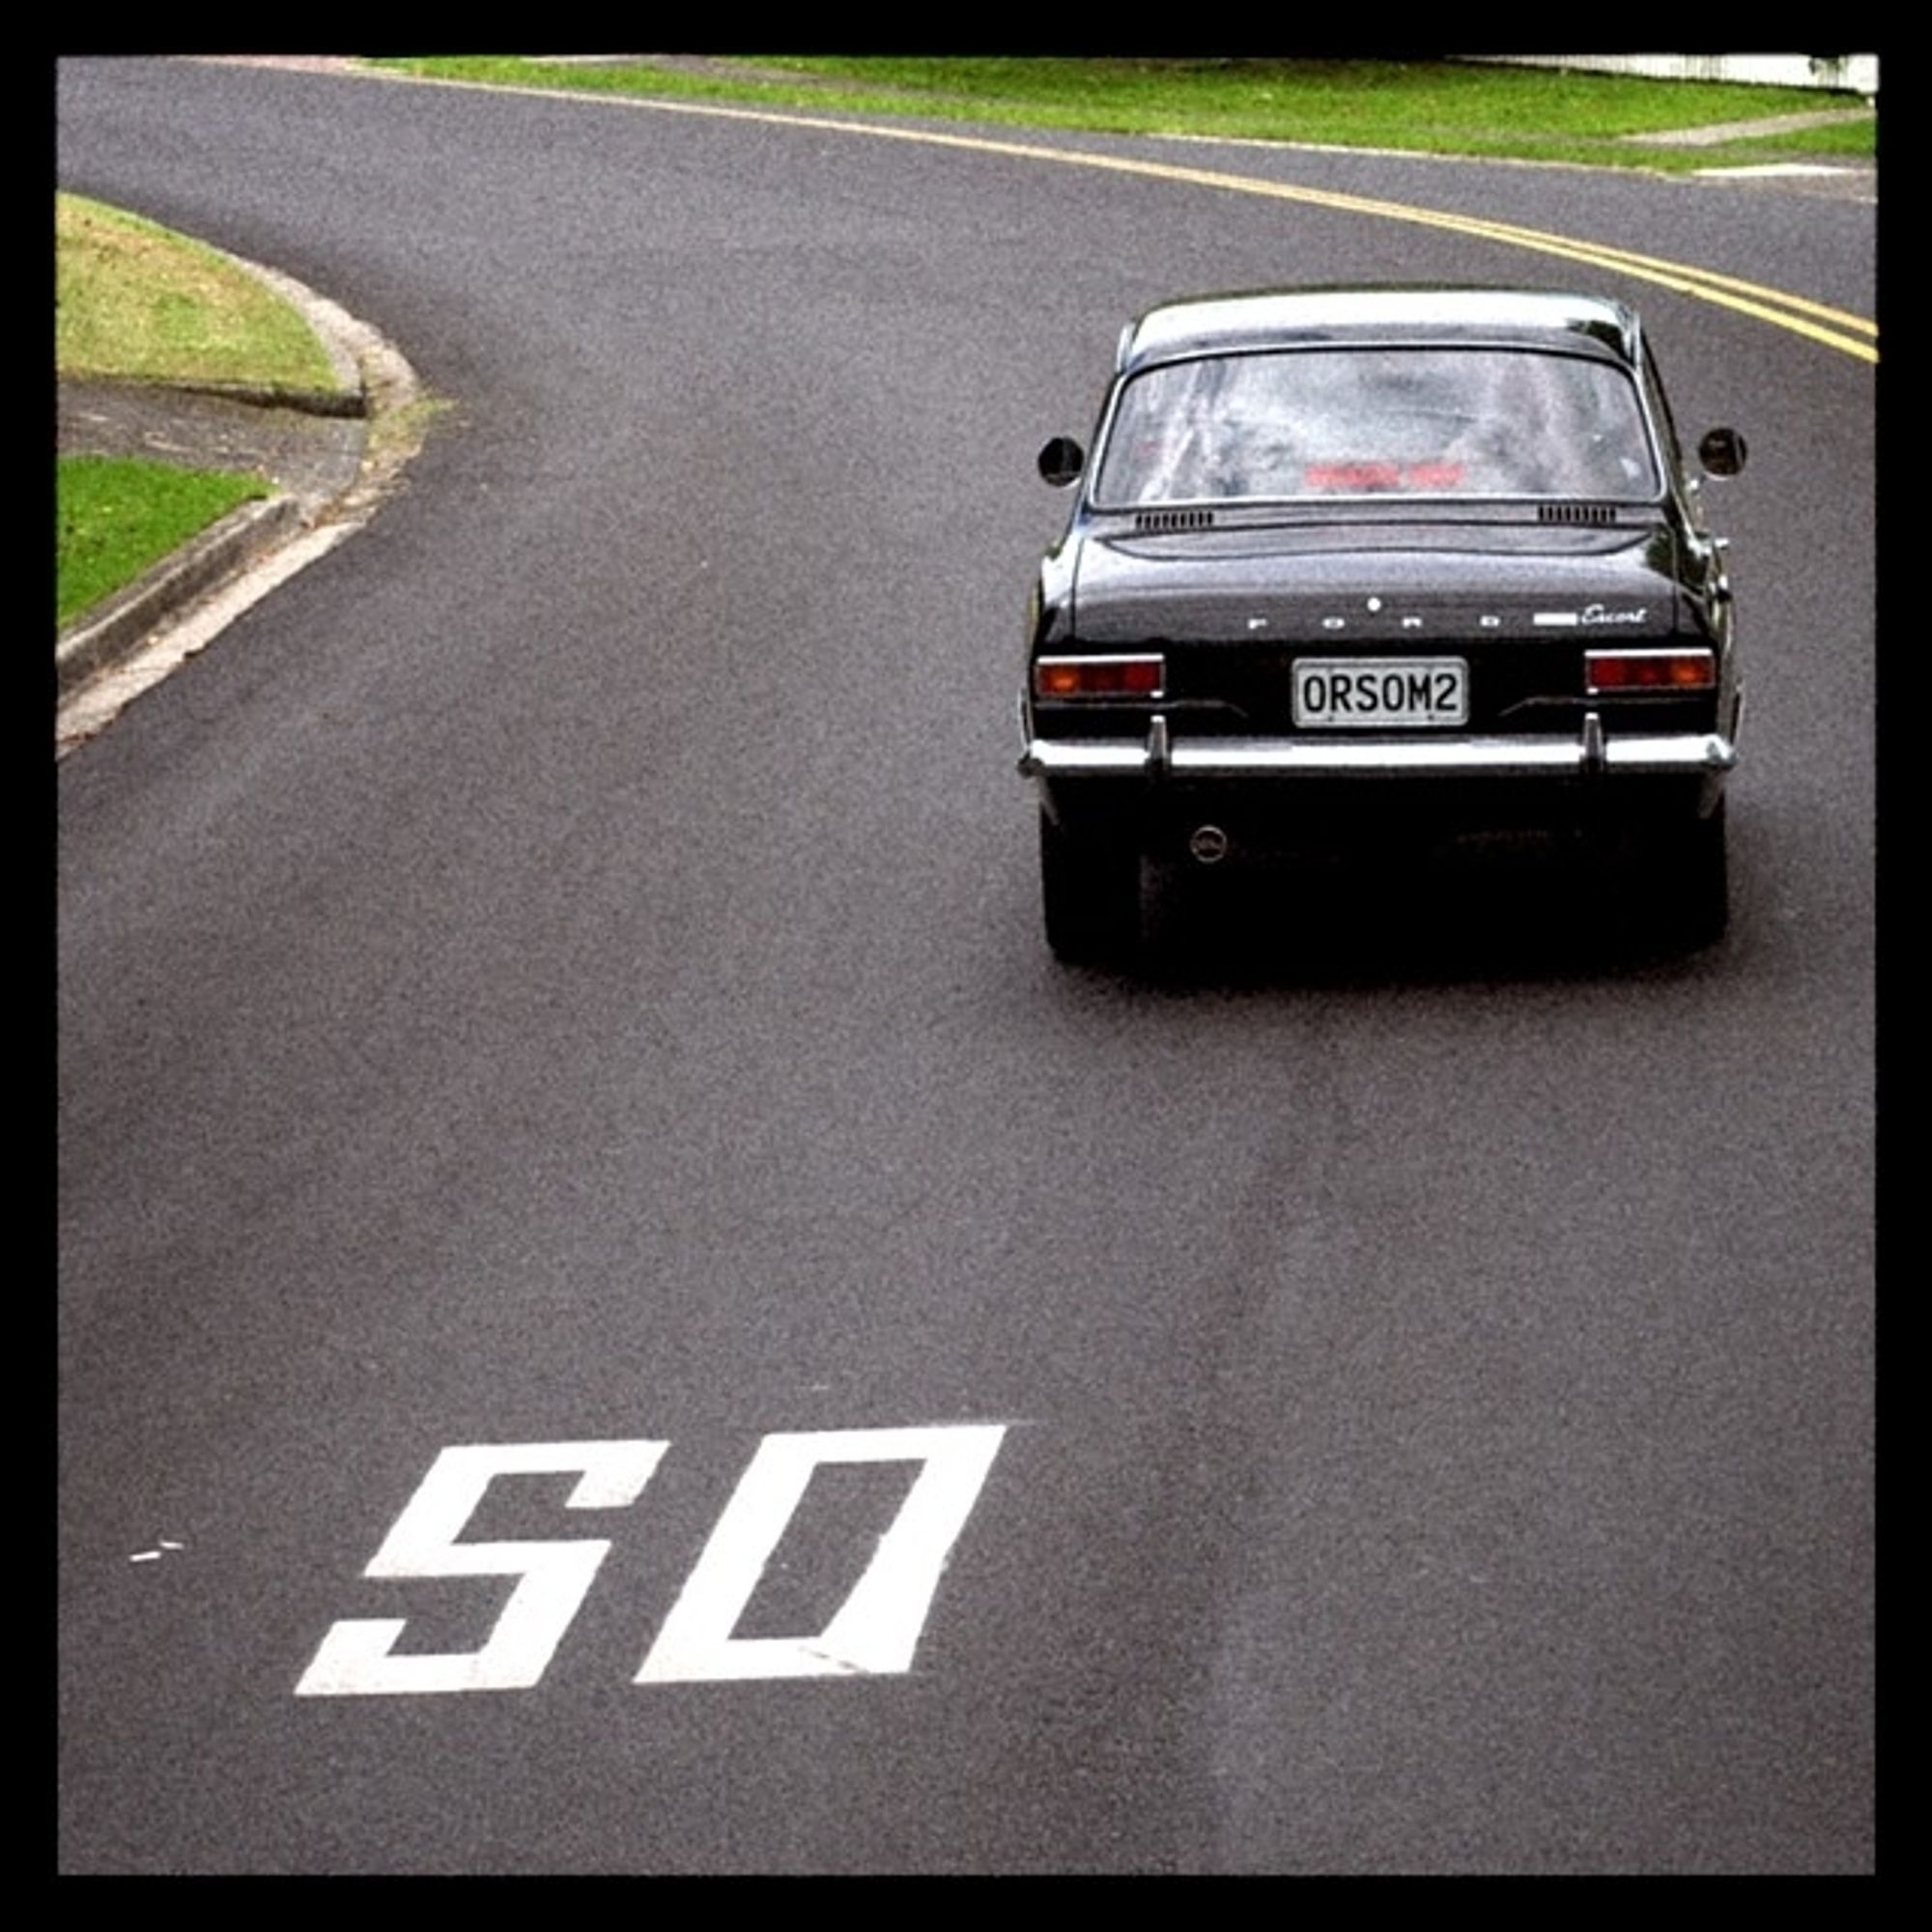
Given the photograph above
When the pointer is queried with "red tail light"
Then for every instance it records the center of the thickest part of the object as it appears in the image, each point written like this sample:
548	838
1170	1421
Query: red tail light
1141	676
1649	670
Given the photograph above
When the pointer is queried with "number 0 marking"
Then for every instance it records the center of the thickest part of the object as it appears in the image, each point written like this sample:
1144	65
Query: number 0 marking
355	1659
877	1629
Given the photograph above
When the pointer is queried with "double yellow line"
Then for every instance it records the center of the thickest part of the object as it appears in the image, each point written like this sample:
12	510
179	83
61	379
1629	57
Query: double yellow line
1837	328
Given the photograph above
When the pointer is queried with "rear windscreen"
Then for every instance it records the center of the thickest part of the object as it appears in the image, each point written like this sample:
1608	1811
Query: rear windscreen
1352	422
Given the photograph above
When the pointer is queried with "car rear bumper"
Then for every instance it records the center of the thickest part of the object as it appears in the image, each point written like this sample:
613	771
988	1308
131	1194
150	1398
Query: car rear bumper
1588	753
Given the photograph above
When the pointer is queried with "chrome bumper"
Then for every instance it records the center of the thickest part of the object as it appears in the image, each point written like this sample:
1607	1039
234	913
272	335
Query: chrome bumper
1588	753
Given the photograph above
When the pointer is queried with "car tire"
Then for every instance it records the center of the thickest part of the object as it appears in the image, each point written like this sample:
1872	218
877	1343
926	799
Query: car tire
1693	870
1091	891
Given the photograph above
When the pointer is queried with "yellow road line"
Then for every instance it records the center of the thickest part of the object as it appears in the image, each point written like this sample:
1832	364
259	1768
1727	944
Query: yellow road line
1794	313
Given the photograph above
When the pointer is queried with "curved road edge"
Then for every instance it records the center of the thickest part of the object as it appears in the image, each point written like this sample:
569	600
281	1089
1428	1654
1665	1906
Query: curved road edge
128	644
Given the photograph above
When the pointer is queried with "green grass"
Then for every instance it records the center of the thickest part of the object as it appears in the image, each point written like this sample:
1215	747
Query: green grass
1852	142
117	517
1432	106
135	300
139	302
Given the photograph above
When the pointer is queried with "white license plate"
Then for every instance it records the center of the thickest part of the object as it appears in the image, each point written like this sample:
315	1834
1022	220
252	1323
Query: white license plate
1380	694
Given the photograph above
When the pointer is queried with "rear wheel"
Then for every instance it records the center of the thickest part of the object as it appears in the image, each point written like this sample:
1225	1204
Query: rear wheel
1091	890
1692	875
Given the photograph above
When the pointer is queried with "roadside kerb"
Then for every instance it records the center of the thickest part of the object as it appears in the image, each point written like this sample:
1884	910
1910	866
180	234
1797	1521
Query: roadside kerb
329	456
111	632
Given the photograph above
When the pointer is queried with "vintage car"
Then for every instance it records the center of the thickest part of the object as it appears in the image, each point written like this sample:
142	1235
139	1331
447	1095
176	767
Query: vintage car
1365	568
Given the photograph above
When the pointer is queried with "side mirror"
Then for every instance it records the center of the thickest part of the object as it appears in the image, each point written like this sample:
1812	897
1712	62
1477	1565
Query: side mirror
1061	460
1722	452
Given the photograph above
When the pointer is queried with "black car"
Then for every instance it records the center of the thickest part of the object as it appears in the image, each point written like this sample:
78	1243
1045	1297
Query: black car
1362	569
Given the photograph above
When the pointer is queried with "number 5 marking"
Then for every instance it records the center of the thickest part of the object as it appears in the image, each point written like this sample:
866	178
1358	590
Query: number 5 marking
355	1659
876	1629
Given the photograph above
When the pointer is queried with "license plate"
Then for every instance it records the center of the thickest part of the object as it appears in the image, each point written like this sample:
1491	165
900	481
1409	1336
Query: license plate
1380	694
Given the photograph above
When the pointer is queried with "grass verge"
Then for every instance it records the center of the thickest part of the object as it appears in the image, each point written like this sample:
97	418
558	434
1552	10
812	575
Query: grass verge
117	517
138	300
1427	106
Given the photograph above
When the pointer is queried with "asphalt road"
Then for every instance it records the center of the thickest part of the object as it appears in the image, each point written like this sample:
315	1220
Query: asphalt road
565	971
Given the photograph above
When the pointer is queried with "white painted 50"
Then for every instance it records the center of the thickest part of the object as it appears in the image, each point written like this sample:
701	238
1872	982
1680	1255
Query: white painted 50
874	1632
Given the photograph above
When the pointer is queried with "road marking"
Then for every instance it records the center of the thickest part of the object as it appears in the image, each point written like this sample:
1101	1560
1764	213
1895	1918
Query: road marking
1834	328
875	1632
355	1658
877	1629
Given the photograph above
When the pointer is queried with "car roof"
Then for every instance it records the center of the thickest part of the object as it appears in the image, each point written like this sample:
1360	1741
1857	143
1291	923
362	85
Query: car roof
1302	318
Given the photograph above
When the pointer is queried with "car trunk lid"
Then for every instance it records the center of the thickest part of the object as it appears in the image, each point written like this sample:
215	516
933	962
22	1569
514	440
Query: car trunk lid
1518	603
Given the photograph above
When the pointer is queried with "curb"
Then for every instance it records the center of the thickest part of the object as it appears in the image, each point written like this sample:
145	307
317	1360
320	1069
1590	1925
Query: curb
110	632
344	405
324	492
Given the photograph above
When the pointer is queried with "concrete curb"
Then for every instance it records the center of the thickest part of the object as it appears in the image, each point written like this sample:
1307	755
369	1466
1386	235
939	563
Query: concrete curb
111	632
328	479
350	404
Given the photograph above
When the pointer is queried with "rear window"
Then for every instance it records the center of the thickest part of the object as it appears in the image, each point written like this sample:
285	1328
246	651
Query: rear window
1359	422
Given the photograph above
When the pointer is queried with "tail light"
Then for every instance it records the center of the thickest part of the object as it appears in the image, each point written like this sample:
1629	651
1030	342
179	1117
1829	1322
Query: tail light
1136	676
1652	670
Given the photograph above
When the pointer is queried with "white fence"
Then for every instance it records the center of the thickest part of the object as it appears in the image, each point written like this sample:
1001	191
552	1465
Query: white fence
1856	74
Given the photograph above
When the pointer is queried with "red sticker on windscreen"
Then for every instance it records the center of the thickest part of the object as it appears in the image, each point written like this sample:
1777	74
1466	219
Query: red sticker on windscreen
1382	475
